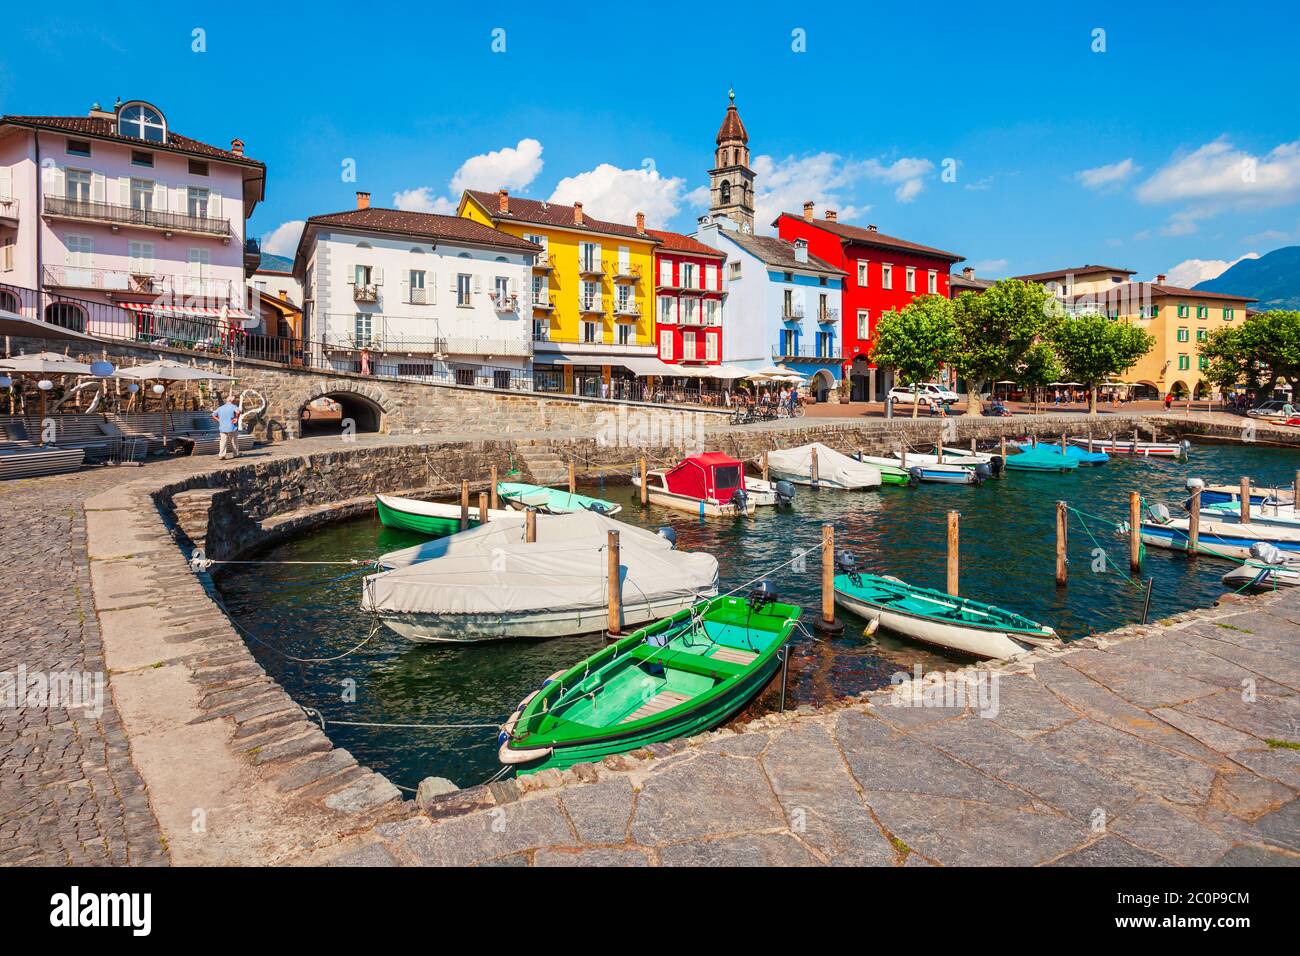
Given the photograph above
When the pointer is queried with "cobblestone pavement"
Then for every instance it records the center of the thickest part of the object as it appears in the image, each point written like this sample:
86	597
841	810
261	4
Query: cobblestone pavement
1161	746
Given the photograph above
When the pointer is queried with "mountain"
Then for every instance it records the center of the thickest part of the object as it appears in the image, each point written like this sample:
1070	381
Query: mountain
1274	279
272	263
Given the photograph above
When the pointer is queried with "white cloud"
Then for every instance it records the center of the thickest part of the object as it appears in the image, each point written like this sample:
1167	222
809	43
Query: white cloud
1219	174
283	239
988	265
1113	174
608	192
512	167
1191	271
908	173
785	185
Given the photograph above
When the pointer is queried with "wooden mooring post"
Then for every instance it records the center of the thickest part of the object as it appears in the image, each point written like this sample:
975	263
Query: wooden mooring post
464	504
1193	522
573	478
1135	531
764	466
530	525
827	623
954	552
492	491
1245	500
645	485
813	473
1062	564
1002	450
482	507
615	587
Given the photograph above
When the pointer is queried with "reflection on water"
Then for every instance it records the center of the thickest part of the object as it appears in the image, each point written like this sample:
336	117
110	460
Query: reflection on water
1008	558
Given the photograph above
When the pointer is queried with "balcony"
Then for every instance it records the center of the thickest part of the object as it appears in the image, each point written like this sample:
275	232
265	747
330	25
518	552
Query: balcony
587	266
365	293
541	331
827	316
117	216
628	308
123	283
504	302
590	305
627	273
419	296
544	303
436	347
792	313
8	211
544	263
780	354
252	257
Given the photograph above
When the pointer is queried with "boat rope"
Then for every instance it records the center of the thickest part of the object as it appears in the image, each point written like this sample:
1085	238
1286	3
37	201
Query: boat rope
1097	544
321	719
307	660
202	564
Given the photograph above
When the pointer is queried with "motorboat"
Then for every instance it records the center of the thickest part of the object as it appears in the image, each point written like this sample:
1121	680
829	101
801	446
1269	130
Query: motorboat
821	466
711	485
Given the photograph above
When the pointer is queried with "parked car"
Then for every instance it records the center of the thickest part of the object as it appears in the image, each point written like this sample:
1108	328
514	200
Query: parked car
1271	409
930	394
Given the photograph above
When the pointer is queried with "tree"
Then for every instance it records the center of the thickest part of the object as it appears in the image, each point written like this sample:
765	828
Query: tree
1092	348
917	340
995	329
1262	349
1038	366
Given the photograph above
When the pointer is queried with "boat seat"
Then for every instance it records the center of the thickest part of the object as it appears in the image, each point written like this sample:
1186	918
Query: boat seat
732	656
686	661
664	700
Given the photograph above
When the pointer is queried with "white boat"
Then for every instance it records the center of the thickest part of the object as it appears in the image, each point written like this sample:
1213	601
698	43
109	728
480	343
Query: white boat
1217	538
947	473
490	584
766	493
710	485
1282	516
833	469
1143	449
1258	576
964	455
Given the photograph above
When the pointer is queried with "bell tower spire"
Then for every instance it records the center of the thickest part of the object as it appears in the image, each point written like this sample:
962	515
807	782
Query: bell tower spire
731	181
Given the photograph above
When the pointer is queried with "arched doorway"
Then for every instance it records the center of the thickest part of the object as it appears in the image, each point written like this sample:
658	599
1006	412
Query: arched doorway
860	380
822	385
1143	391
1178	390
8	301
333	412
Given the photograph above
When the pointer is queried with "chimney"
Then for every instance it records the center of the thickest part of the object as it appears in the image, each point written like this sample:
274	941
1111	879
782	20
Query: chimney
284	295
640	223
871	227
503	202
577	214
800	250
968	272
98	112
1160	280
808	211
237	147
831	215
363	200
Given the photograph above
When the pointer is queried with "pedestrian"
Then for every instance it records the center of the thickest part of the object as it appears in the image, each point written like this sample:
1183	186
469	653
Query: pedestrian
227	419
365	361
785	397
794	397
1169	400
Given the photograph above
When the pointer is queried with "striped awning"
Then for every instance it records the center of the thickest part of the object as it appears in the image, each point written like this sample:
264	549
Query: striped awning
193	311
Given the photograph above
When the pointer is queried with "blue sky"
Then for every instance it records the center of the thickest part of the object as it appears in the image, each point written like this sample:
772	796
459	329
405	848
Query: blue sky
1180	142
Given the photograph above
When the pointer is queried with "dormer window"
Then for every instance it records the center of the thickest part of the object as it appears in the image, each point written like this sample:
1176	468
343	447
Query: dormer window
142	121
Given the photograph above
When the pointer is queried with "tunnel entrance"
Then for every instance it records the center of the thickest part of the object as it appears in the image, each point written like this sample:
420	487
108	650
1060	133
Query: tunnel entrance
330	413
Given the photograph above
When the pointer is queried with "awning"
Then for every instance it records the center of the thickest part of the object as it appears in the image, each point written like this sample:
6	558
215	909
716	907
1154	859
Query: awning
648	366
11	323
190	311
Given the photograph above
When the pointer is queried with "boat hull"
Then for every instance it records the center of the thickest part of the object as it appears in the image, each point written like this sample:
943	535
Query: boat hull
945	474
1142	449
998	645
1219	539
696	506
433	525
1262	577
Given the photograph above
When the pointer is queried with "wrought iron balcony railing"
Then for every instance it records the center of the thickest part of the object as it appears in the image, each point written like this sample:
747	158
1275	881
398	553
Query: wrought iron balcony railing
119	215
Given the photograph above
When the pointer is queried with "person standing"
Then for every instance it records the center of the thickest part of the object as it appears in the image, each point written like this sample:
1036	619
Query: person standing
1169	400
227	418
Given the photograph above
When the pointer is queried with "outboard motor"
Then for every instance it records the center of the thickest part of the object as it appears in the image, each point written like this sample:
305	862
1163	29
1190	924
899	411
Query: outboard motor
598	508
997	464
915	476
1159	513
1193	483
846	563
784	492
760	595
669	535
982	473
1186	446
1267	553
740	498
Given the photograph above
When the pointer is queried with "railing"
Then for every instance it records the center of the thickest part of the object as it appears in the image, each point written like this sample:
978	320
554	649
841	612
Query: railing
146	284
541	332
793	313
131	216
544	262
627	308
781	354
627	273
546	304
365	293
504	303
591	303
589	266
828	315
415	345
8	207
419	296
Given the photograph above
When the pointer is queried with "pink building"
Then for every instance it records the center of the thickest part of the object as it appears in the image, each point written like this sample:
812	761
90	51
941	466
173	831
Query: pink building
115	208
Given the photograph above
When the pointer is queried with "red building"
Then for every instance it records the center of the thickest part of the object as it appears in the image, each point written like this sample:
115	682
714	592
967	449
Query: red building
688	300
882	273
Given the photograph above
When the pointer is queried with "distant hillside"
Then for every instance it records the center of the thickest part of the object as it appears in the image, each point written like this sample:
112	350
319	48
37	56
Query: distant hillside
1274	279
272	263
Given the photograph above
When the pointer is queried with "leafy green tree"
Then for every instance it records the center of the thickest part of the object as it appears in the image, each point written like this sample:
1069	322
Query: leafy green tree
917	340
1227	363
1038	366
995	329
1263	349
1092	348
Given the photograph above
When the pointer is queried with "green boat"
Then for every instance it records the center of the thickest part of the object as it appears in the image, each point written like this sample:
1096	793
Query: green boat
433	518
679	676
553	500
889	475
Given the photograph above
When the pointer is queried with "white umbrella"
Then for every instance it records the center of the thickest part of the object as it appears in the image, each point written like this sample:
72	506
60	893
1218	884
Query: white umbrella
42	364
167	371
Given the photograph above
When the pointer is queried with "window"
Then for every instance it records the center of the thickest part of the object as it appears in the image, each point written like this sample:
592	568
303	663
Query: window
1202	335
825	344
725	192
501	378
789	343
78	258
1183	362
1228	314
589	257
933	283
667	309
787	307
591	296
198	167
590	332
540	296
788	276
200	266
666	272
541	330
911	279
361	328
886	277
196	198
1202	362
711	277
1150	311
78	147
1202	311
735	270
711	348
141	194
77	185
625	299
690	311
864	332
666	345
1182	335
419	295
862	274
502	288
363	275
822	313
140	257
626	334
464	376
712	312
688	275
1183	312
688	346
140	158
822	280
142	122
462	289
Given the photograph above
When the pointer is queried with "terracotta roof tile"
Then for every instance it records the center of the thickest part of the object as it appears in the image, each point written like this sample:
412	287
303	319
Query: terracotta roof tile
1133	292
1075	271
425	225
536	212
868	237
676	242
101	128
778	252
732	127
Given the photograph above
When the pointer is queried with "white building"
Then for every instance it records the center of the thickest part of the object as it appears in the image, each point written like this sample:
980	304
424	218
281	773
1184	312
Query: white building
392	292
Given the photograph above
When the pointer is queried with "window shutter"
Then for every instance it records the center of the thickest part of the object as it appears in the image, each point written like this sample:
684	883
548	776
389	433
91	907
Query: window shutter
378	275
595	253
214	204
514	286
159	197
54	181
431	287
478	283
124	190
666	344
98	188
352	275
6	182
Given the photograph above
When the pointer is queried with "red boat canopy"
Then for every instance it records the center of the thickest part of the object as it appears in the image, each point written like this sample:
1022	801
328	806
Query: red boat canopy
710	475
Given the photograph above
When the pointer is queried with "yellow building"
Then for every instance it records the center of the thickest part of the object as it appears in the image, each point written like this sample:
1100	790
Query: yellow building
1180	319
593	293
1080	280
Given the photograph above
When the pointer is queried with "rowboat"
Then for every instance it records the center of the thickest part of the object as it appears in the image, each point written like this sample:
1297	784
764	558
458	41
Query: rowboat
678	677
935	473
957	623
426	517
1223	539
1217	494
1143	449
961	455
1041	458
489	583
1084	457
821	466
552	500
1257	576
711	485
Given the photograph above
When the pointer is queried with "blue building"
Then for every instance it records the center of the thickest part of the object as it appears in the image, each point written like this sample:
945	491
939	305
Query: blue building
783	305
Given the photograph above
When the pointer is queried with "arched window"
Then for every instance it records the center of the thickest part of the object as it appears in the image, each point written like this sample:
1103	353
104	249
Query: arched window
502	259
417	250
66	315
725	192
364	245
8	301
142	121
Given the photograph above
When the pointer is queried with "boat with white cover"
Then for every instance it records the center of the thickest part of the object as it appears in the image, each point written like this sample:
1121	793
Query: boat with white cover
832	468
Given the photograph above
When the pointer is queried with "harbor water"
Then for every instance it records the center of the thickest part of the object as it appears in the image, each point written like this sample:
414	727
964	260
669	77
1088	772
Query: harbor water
291	612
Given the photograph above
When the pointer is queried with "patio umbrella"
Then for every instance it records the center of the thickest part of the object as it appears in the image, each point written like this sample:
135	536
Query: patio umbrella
168	373
42	365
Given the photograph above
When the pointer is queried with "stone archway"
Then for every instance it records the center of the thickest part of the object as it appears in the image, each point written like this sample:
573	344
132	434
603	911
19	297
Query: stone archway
822	386
364	406
1178	389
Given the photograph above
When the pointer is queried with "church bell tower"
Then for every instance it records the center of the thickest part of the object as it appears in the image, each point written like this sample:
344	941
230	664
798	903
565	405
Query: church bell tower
731	181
